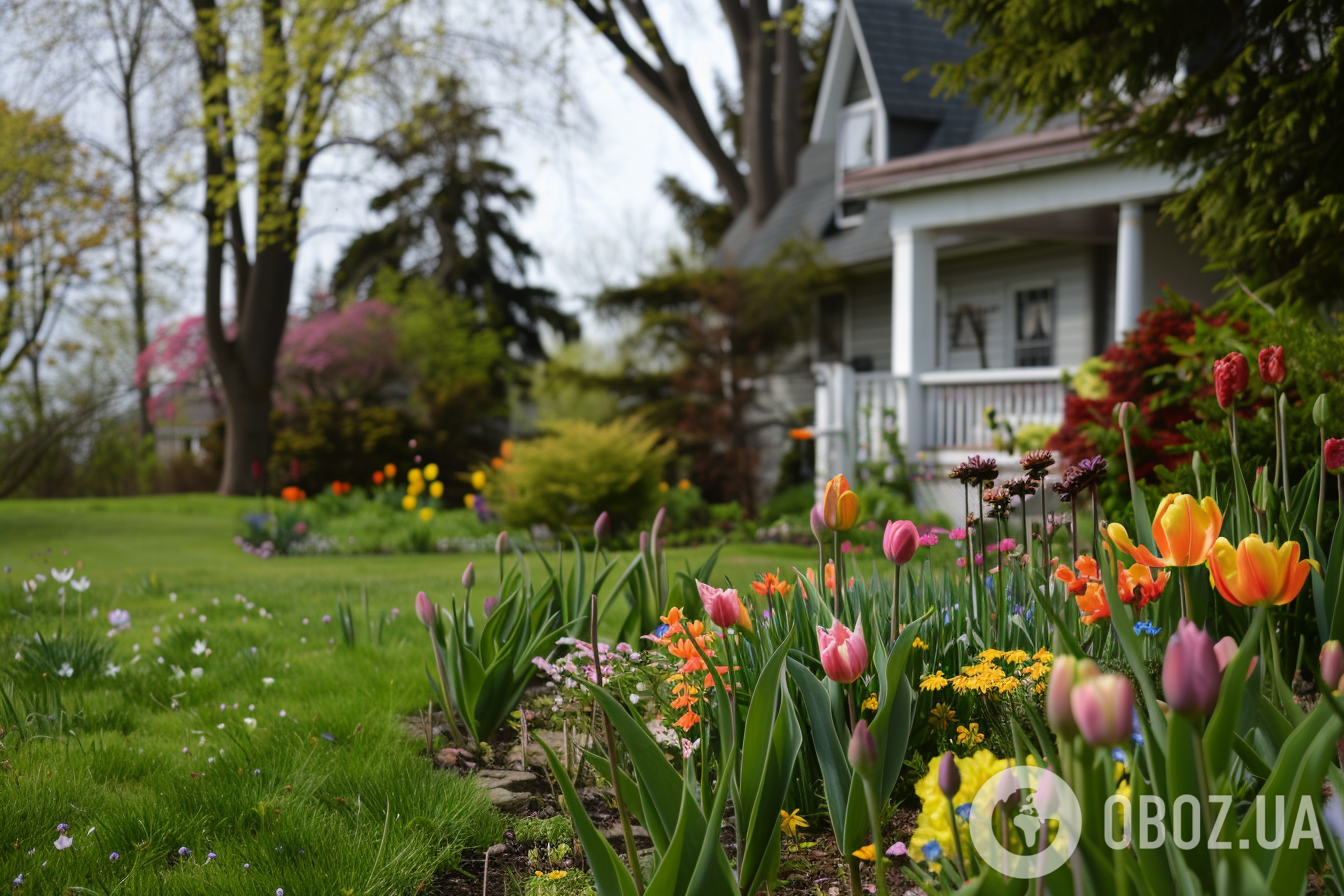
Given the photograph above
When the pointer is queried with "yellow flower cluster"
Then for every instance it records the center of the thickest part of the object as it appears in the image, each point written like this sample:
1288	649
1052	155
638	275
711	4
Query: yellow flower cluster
988	677
934	823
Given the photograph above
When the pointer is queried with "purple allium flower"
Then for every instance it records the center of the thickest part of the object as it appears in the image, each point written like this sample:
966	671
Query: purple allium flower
115	857
184	852
62	828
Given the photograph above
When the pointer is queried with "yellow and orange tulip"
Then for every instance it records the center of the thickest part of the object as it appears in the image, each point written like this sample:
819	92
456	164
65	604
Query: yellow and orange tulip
1255	574
840	506
1184	531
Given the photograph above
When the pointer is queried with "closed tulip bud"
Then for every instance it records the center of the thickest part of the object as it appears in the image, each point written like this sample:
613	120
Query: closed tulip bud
424	610
1320	411
1103	708
1272	370
900	541
1332	664
501	544
1124	413
1065	673
949	776
1231	375
469	576
1334	455
1008	786
1190	673
643	542
818	524
491	604
863	750
1226	650
844	654
258	469
1261	490
722	605
658	519
602	527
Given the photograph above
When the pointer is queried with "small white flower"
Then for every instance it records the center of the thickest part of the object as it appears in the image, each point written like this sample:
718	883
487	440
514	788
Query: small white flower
282	713
178	674
63	842
250	722
40	578
220	726
63	575
81	584
172	596
197	672
66	671
201	619
111	670
268	681
119	619
199	648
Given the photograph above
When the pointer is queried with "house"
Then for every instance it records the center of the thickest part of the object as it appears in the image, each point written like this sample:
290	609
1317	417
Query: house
983	263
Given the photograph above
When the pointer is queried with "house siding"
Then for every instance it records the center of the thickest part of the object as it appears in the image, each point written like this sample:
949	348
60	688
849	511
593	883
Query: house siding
987	283
870	319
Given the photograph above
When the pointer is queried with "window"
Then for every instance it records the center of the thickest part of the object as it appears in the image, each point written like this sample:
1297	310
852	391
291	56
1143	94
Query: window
856	136
1035	326
831	328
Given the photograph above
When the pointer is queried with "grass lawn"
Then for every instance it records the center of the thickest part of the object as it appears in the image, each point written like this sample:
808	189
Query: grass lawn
322	792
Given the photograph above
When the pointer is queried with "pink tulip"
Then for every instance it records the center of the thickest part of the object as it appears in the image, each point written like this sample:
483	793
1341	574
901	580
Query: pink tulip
863	749
722	605
844	654
491	603
818	524
424	610
1066	673
1190	674
1103	707
469	575
501	544
1332	665
949	776
1227	648
602	526
900	541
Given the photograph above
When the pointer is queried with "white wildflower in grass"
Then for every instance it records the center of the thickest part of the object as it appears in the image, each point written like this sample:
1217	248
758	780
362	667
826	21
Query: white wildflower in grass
197	672
111	670
268	681
199	648
63	841
63	575
251	723
81	584
66	670
119	619
172	596
178	674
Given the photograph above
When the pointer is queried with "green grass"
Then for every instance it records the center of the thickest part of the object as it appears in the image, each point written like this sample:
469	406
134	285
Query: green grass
331	797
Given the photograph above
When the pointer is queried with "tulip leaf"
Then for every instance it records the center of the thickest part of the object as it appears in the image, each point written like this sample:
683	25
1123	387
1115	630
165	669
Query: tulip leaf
712	873
1289	868
1063	629
1255	764
1223	722
760	812
674	873
1183	775
831	757
610	877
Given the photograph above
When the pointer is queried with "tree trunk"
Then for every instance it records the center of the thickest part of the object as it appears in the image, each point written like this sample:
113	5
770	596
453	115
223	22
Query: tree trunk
247	436
788	81
758	96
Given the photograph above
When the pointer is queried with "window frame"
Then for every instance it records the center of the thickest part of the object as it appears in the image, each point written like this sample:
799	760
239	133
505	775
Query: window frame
1015	343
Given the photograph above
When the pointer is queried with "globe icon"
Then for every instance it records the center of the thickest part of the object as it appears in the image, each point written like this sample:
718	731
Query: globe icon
1038	807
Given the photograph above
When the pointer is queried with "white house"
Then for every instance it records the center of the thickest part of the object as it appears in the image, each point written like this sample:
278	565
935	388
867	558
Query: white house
983	263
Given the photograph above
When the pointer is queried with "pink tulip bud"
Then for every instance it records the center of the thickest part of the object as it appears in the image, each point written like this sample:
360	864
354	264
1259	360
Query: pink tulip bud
818	524
1066	673
491	604
900	541
1008	786
501	544
844	654
949	776
1103	708
469	575
1332	664
863	750
643	542
424	610
722	604
1190	674
659	519
602	527
1226	650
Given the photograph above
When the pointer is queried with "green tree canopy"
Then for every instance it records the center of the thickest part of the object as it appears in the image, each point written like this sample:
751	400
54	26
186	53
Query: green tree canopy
1241	98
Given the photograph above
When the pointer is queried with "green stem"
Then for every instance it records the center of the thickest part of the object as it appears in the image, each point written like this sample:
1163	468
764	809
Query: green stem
1320	496
874	819
855	883
835	597
895	603
956	839
1283	441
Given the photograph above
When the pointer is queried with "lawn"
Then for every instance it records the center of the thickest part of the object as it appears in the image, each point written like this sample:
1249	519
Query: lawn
282	763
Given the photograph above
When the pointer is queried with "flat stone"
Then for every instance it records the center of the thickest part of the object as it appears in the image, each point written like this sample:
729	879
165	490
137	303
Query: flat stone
506	779
508	800
536	756
616	834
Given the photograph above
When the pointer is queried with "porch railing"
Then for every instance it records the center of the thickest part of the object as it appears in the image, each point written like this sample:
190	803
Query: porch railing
955	403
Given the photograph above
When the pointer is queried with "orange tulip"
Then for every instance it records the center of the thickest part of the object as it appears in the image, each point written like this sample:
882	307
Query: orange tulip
1184	531
1092	603
840	506
1255	574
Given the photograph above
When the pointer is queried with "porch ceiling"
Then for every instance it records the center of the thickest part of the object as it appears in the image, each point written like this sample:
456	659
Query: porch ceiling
1096	224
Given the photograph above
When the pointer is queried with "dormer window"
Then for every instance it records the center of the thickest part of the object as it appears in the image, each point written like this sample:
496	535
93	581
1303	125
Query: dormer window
857	135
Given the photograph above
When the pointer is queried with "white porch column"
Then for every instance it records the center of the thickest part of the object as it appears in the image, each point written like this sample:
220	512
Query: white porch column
1128	269
833	428
914	269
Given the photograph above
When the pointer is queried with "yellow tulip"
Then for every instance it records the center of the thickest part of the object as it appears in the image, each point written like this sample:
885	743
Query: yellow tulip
408	502
414	474
416	488
478	480
436	490
840	506
426	514
470	501
431	472
1184	531
1255	574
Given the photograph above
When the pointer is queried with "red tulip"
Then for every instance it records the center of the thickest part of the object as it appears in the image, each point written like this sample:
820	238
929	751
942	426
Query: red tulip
257	470
1231	375
722	605
1272	370
424	610
1103	707
844	654
1334	455
900	541
1190	673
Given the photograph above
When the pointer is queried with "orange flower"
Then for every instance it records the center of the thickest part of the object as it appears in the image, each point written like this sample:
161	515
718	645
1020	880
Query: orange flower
723	673
771	584
687	721
292	494
830	576
1092	603
378	477
801	434
390	471
506	449
1255	574
1137	585
1087	575
839	506
496	463
1184	530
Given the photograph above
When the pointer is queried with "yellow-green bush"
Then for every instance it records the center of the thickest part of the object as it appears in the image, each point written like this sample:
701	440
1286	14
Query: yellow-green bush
579	469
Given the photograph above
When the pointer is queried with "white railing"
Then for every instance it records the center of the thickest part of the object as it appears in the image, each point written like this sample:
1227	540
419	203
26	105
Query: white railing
955	403
877	408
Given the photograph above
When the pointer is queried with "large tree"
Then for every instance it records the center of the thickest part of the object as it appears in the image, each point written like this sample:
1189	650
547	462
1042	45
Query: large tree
272	73
770	56
1241	98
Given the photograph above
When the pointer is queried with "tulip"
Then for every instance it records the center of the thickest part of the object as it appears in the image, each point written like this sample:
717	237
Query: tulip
1184	530
1066	673
491	604
1226	649
1231	375
424	610
844	654
1334	455
1103	708
900	541
840	506
1257	574
949	776
818	524
1332	664
1272	370
501	544
1191	675
602	527
863	750
257	470
469	576
722	605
